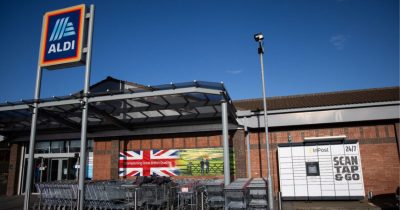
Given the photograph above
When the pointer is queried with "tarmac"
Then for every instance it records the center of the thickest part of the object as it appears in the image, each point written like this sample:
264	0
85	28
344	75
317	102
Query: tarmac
16	203
328	205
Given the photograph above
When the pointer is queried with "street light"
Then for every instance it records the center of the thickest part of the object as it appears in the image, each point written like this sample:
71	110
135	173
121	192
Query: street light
259	37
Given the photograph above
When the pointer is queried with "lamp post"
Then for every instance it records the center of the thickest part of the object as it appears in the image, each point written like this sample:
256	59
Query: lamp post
259	38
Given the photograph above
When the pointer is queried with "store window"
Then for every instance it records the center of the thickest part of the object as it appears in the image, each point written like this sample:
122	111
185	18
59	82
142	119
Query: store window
312	168
42	147
75	146
58	147
69	146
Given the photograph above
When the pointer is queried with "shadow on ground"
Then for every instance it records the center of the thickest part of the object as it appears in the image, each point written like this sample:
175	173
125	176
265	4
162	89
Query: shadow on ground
386	201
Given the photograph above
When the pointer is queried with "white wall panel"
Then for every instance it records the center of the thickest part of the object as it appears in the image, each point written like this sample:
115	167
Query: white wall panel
339	171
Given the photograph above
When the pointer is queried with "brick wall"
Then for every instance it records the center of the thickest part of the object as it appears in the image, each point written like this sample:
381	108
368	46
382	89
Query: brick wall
102	159
106	154
239	149
106	151
170	142
378	150
13	170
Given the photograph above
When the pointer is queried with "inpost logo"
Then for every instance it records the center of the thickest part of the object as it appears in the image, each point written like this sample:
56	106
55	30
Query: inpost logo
62	28
316	150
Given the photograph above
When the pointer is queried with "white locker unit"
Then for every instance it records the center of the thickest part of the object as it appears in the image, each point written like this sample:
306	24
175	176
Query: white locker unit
320	171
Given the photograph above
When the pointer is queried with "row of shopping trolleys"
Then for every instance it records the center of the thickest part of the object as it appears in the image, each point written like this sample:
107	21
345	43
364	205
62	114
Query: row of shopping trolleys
246	193
155	193
243	193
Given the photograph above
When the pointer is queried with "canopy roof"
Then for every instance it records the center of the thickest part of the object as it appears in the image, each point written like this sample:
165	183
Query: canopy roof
117	105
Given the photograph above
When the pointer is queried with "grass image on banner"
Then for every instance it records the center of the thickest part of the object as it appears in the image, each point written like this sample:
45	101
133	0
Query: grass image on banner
203	161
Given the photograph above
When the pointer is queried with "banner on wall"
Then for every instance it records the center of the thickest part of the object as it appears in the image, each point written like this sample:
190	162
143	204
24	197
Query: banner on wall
173	162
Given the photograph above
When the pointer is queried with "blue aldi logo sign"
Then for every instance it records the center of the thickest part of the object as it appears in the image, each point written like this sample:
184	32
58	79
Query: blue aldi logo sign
62	37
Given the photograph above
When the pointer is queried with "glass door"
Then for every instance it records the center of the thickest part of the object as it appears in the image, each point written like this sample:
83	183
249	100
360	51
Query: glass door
63	169
51	169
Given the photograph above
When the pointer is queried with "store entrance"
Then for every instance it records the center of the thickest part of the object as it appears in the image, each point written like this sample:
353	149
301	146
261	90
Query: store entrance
54	169
62	169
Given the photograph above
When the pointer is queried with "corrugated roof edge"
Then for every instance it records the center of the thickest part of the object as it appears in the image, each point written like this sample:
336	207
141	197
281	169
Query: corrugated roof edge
320	94
392	89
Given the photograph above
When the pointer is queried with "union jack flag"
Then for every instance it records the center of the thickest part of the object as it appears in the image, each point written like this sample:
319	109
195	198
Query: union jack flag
148	162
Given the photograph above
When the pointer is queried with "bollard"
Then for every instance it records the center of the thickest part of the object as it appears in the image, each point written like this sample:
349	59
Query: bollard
202	200
370	195
280	200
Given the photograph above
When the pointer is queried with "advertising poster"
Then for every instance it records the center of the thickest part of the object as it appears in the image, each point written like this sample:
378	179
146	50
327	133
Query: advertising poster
173	162
89	166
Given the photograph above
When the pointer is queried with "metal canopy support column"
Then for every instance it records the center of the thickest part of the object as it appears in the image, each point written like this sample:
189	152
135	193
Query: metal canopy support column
225	137
82	163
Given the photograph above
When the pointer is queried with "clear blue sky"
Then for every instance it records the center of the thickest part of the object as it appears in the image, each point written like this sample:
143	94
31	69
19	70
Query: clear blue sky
311	45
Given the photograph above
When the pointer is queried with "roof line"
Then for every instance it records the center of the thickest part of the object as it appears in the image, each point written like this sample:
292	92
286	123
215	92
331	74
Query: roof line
319	94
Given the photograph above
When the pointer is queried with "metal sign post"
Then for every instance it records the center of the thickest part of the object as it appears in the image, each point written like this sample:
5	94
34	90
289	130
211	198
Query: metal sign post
61	46
35	110
83	156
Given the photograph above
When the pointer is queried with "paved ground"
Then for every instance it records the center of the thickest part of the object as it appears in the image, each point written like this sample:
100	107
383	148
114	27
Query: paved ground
328	205
16	203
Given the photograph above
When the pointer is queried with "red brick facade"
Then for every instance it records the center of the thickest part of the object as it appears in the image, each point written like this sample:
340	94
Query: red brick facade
378	148
13	170
106	151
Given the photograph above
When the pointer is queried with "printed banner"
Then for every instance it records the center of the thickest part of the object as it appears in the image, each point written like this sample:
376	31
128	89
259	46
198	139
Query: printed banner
173	162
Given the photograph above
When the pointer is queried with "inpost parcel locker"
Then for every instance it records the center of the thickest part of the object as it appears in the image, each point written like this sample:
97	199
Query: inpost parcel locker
320	171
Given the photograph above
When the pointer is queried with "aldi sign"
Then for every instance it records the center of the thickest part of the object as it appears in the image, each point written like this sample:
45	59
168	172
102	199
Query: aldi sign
62	37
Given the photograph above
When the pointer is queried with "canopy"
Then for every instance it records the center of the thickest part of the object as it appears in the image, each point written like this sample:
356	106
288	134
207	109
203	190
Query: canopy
130	109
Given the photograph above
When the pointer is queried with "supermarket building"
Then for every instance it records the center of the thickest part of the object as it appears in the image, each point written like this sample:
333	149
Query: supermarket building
126	117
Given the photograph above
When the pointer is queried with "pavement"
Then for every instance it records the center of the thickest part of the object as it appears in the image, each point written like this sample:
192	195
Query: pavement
13	202
16	203
328	205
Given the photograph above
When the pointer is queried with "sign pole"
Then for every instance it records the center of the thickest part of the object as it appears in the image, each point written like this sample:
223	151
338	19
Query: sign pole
29	172
60	47
83	155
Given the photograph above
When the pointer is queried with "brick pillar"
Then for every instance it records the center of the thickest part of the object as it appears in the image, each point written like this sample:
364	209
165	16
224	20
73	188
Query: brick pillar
101	159
114	159
397	133
239	149
13	170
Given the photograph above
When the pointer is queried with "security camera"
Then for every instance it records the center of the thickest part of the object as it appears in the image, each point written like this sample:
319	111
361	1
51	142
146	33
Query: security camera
258	37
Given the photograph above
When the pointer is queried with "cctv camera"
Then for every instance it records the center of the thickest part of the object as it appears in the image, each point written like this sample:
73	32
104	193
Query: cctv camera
258	37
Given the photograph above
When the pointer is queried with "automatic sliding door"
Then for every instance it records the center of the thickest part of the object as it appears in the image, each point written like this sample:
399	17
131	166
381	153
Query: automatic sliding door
54	170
